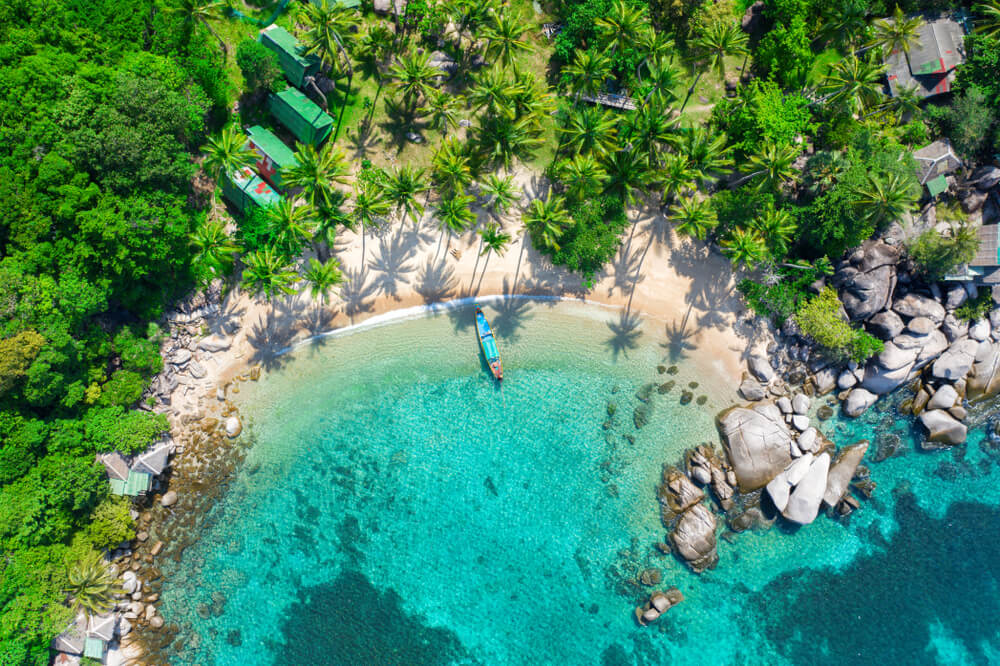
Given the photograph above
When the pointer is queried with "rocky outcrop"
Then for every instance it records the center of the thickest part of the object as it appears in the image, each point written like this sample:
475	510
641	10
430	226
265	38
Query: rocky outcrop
215	343
942	427
751	390
984	380
677	490
867	278
761	368
804	501
658	604
858	400
842	471
915	305
956	361
757	442
693	538
944	398
886	325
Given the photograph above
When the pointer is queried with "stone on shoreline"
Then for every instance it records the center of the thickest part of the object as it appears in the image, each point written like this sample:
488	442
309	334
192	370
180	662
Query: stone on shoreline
886	325
842	471
169	498
804	502
867	278
233	427
758	443
693	538
944	398
751	390
956	362
915	305
215	343
858	400
197	370
943	427
761	368
984	380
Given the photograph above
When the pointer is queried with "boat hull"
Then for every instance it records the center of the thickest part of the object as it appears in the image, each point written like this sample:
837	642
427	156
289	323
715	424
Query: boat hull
488	345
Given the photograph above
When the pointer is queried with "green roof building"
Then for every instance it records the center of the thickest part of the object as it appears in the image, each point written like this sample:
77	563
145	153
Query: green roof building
137	483
309	123
272	154
295	64
350	4
244	188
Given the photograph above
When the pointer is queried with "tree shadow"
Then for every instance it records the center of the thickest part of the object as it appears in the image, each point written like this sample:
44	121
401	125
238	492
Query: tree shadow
625	334
318	319
678	334
510	316
391	264
625	270
399	122
436	282
357	293
229	320
273	332
362	141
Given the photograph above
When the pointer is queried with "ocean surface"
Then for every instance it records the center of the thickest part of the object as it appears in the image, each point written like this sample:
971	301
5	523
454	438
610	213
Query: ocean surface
397	507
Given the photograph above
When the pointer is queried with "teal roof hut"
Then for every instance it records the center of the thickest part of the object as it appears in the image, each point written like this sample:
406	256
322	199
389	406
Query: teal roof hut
272	154
244	189
291	54
303	117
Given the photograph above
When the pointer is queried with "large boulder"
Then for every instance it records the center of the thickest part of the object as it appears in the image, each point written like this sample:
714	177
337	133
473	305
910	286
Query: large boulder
943	427
858	400
678	491
758	443
215	343
915	305
984	380
867	278
751	390
761	368
944	398
886	325
693	538
804	501
956	361
842	471
929	346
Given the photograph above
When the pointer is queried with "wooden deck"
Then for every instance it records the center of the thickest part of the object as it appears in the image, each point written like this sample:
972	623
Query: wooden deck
614	101
989	244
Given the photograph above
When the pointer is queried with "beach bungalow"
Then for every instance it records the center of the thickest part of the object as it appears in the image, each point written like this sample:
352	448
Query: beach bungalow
303	117
244	189
934	162
100	632
272	154
294	63
124	479
929	67
69	645
154	460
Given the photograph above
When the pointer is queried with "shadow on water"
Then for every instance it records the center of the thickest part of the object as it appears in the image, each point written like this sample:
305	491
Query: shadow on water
933	578
625	333
349	621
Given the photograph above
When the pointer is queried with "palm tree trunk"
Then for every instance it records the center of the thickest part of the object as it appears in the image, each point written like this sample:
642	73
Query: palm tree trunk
350	79
691	89
311	82
222	43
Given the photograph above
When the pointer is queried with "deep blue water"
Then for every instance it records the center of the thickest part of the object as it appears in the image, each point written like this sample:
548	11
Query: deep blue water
397	508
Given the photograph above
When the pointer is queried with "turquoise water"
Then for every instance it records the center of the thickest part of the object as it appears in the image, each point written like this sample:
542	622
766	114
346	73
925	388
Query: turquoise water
398	508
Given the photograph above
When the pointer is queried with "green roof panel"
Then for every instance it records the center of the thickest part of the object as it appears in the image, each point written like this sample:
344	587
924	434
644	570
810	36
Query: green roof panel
138	483
309	123
272	154
93	648
294	64
117	486
244	188
937	185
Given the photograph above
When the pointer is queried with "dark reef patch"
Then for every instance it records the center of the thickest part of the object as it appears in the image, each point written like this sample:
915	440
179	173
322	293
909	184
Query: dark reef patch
348	621
880	610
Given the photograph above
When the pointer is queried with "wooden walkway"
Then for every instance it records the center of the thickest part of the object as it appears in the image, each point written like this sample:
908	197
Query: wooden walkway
614	101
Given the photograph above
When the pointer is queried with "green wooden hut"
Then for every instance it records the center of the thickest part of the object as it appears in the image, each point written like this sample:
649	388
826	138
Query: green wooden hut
244	188
294	63
272	154
308	122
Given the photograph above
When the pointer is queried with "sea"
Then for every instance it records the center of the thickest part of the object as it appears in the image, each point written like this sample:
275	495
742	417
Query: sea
398	506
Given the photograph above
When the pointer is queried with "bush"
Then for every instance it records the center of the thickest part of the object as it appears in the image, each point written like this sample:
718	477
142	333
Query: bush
111	523
779	301
260	66
975	308
785	53
139	354
821	319
254	231
124	389
762	115
938	255
595	236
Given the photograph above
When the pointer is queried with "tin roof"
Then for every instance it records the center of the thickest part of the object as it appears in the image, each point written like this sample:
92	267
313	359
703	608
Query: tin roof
307	109
115	465
989	246
929	68
935	159
93	648
102	626
254	187
285	41
264	141
154	460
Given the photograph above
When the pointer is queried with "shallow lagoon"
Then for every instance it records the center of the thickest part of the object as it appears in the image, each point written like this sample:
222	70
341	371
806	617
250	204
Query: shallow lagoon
397	507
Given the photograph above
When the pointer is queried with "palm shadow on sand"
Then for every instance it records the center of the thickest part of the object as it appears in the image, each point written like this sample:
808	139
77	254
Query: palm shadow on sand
678	336
625	333
273	333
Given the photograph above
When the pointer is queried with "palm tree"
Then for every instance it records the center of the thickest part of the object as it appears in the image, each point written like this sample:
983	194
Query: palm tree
494	239
328	29
91	585
227	152
316	172
403	187
655	45
623	25
442	108
454	212
501	191
504	36
662	78
291	226
707	152
451	167
204	12
546	220
628	172
777	227
694	217
773	166
898	33
588	72
721	39
502	140
375	47
321	277
583	176
414	77
268	273
589	129
988	14
845	21
494	92
650	129
855	83
370	207
327	221
886	199
744	246
675	176
214	251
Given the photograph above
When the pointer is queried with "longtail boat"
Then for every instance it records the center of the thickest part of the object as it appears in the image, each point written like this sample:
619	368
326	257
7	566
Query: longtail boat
488	343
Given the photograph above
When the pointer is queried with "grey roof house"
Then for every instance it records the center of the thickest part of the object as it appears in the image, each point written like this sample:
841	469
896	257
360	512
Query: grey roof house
929	67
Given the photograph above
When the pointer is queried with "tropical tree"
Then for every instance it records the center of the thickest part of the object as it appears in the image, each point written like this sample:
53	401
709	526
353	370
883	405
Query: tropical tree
661	79
414	77
375	47
854	83
502	140
494	239
317	172
214	251
844	22
322	277
370	207
291	226
454	213
589	129
505	36
777	227
694	217
655	45
329	27
588	72
583	176
675	176
325	232
651	128
268	272
628	173
202	12
91	585
227	152
451	167
706	152
900	33
720	39
773	166
744	246
546	220
501	192
622	25
885	199
402	189
988	17
493	93
441	107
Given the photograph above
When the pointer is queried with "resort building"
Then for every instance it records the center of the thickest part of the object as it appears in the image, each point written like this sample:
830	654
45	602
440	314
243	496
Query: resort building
294	63
934	162
929	68
303	117
272	154
244	189
135	477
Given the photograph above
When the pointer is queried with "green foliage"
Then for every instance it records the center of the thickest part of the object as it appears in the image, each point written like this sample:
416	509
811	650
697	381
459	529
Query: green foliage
975	308
16	355
780	298
91	585
111	523
967	121
128	431
255	231
981	68
124	389
593	238
139	354
260	66
937	255
762	115
785	53
821	318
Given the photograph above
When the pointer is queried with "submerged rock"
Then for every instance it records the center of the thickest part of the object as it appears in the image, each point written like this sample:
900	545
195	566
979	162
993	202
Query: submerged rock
169	498
757	442
678	491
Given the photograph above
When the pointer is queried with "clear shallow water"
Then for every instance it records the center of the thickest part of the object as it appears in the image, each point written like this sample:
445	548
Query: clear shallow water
397	508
